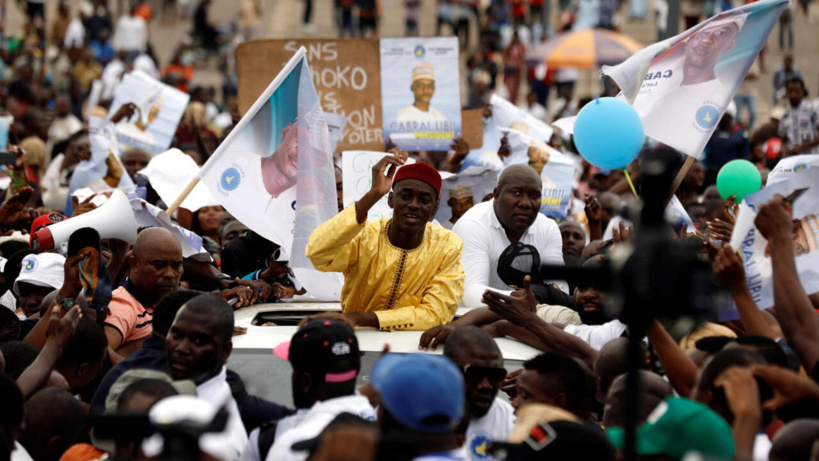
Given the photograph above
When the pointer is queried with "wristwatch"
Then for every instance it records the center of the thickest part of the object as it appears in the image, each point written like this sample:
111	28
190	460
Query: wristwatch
65	303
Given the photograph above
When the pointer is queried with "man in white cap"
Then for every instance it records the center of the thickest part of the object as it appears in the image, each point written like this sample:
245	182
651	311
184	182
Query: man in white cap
460	201
683	95
423	87
40	274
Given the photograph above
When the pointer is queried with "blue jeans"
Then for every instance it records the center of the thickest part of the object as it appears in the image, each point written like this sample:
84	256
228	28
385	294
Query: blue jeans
783	25
748	100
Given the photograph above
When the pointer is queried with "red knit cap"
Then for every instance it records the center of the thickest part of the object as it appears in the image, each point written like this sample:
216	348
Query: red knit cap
422	172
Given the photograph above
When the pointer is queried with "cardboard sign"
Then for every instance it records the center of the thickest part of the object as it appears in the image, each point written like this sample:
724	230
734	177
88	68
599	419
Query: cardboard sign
346	73
357	168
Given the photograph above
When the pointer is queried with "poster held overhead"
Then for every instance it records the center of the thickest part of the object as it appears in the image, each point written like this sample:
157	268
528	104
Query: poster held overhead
420	92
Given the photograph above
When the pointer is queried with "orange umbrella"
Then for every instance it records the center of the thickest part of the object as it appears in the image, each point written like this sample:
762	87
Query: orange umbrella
585	49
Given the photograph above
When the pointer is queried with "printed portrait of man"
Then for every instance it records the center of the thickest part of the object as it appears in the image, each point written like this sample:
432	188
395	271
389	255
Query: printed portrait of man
423	88
280	170
460	201
681	91
806	235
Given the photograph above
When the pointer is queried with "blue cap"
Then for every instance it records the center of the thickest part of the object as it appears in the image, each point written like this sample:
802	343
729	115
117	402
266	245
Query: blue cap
425	393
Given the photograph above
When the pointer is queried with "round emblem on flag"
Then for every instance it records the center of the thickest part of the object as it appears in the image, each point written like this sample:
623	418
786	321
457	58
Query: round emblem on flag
479	447
707	116
800	167
420	51
230	179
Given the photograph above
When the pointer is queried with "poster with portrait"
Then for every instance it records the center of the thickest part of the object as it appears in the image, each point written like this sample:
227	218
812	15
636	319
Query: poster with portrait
421	92
159	109
357	179
555	168
505	116
462	191
801	191
681	87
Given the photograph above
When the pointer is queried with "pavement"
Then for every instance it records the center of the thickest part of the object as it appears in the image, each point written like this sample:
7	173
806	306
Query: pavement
283	19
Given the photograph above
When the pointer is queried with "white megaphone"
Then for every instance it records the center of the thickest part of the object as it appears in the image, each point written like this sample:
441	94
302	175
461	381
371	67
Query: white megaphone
114	219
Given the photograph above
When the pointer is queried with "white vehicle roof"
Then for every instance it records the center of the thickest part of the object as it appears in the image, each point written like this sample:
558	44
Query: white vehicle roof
369	340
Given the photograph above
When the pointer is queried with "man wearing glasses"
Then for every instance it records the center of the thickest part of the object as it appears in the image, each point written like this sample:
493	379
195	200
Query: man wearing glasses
490	417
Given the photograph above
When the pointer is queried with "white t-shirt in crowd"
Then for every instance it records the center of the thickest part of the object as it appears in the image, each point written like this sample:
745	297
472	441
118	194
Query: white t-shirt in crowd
484	240
74	34
132	34
319	416
216	391
414	114
251	451
597	335
496	425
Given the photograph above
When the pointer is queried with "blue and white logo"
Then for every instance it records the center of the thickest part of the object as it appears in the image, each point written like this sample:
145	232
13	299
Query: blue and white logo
30	265
707	116
478	447
230	180
420	51
800	167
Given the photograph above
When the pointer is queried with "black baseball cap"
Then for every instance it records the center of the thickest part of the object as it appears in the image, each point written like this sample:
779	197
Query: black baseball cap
320	344
517	261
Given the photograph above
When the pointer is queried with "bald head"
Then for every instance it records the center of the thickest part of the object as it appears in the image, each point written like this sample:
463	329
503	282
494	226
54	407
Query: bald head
795	441
156	263
519	174
612	361
53	423
469	338
653	390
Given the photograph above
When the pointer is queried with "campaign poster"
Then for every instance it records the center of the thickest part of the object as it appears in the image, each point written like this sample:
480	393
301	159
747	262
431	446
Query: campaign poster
787	167
505	116
460	192
681	87
421	92
801	191
555	168
357	179
159	109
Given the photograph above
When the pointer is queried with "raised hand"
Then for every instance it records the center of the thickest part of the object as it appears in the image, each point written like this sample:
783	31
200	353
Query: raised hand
517	310
14	214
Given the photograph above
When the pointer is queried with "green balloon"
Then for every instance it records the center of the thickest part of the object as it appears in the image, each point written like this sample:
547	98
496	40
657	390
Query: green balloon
738	177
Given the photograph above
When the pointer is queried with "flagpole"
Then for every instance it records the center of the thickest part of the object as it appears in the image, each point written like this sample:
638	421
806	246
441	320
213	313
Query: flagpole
680	176
182	196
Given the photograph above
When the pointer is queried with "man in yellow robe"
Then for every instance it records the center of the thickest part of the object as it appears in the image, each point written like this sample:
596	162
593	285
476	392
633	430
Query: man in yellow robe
401	273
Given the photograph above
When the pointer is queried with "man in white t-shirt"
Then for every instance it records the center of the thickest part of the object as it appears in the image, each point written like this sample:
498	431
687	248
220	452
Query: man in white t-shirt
326	361
131	33
423	87
512	215
490	417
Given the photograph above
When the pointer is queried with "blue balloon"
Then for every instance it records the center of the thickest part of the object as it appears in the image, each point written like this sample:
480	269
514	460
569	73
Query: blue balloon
608	133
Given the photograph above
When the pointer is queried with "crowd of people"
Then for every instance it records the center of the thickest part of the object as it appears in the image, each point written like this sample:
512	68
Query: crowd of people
113	350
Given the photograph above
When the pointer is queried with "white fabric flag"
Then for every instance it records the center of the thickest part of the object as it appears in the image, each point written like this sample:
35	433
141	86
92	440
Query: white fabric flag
681	86
274	172
148	215
170	172
787	167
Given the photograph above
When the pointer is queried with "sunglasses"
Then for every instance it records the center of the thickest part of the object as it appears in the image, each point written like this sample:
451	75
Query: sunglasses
477	373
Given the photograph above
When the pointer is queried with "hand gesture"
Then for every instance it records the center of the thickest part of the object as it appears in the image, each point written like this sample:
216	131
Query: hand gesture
622	234
788	387
517	310
728	268
61	329
261	287
72	285
741	391
594	212
721	230
730	209
434	337
505	150
461	149
14	214
384	171
246	296
125	112
84	207
774	219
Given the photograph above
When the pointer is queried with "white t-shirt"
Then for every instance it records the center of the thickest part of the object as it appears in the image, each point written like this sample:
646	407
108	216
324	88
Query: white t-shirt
414	114
74	34
132	34
216	391
319	416
496	425
251	451
484	240
597	335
